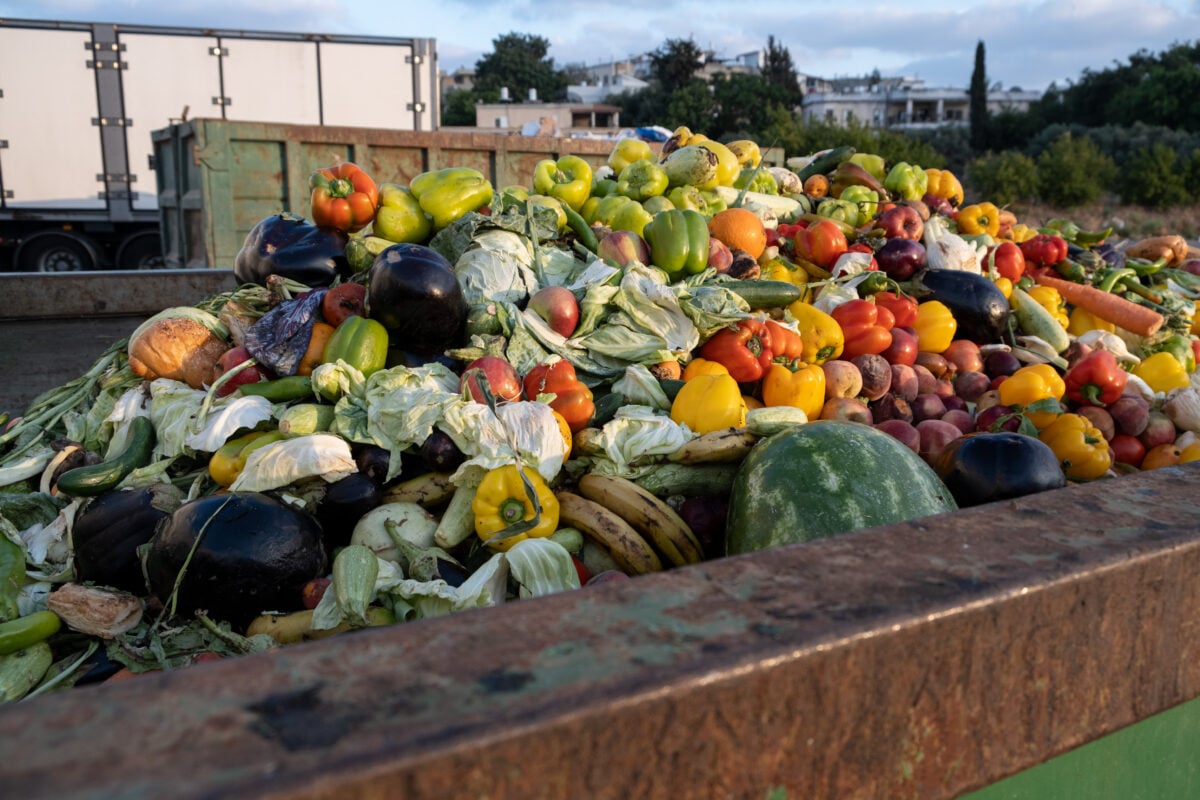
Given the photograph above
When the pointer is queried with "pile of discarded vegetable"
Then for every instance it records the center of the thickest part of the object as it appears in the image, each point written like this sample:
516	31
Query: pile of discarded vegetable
432	397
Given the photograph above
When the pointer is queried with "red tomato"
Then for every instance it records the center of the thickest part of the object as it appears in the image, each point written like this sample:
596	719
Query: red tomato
1007	259
344	301
822	243
1127	449
230	359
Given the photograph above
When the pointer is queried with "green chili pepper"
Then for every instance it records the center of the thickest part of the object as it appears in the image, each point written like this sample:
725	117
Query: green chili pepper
26	631
1071	270
1107	279
1143	267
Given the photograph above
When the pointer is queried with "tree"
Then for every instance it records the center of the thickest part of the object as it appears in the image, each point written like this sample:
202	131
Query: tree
978	102
675	64
743	104
519	63
778	70
458	108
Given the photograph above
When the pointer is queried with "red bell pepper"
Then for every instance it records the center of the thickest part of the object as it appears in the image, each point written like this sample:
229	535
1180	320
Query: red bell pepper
1097	379
343	197
866	326
786	344
821	242
1044	250
573	399
902	306
1007	260
744	349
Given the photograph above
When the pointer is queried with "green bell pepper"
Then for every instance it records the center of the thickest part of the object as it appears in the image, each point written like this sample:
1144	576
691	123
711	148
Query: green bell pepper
756	180
360	342
872	163
604	187
713	203
864	199
841	210
400	217
569	179
642	180
689	198
631	217
678	241
907	181
450	193
653	205
627	151
605	209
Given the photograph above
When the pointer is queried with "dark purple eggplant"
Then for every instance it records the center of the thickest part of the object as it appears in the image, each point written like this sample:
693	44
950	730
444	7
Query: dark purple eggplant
106	536
240	554
344	503
986	467
440	454
413	291
373	461
979	307
292	246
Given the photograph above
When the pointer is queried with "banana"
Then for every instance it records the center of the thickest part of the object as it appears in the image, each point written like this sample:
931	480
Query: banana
724	446
649	516
429	490
587	442
623	543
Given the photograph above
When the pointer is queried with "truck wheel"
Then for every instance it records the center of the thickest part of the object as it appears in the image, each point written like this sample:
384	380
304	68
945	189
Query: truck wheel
57	252
141	251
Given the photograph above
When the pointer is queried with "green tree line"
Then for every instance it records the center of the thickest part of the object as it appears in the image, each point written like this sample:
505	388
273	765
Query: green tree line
1132	129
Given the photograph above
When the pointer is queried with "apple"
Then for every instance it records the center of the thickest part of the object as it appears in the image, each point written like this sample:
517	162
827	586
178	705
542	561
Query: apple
919	206
230	359
619	248
558	306
901	258
901	222
720	257
903	349
938	205
502	379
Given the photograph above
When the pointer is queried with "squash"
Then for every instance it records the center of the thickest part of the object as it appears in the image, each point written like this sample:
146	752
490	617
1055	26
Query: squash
240	554
988	466
826	478
107	533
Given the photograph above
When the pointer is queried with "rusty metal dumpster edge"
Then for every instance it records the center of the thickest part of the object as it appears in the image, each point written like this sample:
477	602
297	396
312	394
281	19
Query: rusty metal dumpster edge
917	660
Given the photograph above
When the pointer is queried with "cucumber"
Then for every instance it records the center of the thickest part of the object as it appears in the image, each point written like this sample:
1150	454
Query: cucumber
1035	320
764	293
96	479
280	390
826	162
826	478
305	419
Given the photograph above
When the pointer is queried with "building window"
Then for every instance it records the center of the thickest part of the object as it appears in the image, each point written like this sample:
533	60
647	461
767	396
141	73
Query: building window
829	115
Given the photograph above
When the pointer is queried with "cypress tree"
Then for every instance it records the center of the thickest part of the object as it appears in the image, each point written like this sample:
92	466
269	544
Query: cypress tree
978	100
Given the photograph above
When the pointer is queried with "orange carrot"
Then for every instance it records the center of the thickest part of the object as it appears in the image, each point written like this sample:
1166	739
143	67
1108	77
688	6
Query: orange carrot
1107	306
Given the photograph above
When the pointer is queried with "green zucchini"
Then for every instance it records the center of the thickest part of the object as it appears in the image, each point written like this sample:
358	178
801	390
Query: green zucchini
96	479
764	293
826	162
1035	320
280	390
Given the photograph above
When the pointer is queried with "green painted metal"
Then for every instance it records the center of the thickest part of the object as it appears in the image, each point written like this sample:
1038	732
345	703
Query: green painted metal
1154	759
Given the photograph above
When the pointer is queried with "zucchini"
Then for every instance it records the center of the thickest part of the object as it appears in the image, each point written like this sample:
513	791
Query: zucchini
1035	320
96	479
280	390
305	419
825	162
764	293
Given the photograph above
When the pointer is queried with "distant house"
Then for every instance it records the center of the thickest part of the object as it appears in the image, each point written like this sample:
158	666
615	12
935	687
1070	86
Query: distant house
903	103
534	117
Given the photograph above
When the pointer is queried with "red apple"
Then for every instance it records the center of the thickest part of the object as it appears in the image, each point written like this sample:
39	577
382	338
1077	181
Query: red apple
502	379
720	257
230	359
937	205
558	306
901	222
619	248
903	349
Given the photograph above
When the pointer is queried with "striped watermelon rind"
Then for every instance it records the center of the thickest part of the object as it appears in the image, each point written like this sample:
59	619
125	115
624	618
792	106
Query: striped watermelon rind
826	478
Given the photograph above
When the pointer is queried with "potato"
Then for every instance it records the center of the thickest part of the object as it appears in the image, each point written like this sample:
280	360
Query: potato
1173	247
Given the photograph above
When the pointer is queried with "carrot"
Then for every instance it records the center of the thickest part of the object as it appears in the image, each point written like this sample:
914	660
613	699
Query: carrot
1106	305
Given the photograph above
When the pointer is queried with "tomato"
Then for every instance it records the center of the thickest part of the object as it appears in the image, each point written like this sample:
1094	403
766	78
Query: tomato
1127	449
230	359
1007	259
822	243
344	301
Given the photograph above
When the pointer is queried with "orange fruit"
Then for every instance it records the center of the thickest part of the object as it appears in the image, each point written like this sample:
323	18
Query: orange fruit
739	229
1163	455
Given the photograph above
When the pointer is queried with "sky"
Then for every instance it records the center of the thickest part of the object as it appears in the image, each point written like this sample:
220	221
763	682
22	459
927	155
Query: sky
1028	45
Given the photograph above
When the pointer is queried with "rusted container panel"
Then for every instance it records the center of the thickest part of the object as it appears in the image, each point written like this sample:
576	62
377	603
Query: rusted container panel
919	660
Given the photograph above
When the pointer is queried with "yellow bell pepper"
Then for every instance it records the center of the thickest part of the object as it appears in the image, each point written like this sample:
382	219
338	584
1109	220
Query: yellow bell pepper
1048	298
1083	321
1079	446
1162	372
1035	384
943	183
935	326
822	336
502	500
778	268
1195	329
229	460
1022	233
703	366
709	403
802	388
979	218
1005	286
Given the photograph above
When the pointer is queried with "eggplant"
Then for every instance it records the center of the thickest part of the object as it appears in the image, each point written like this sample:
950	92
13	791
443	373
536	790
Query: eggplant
106	536
979	307
235	556
985	467
292	246
440	454
344	503
372	461
413	291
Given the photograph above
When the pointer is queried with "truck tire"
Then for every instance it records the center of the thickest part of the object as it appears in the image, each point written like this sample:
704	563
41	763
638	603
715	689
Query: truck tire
57	252
141	251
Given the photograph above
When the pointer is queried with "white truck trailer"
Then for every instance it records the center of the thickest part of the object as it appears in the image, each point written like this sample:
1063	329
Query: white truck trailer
79	100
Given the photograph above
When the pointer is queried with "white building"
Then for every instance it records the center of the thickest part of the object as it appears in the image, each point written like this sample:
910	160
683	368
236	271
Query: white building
905	103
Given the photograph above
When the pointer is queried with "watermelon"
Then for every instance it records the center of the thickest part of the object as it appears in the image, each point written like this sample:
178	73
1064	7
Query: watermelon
825	478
